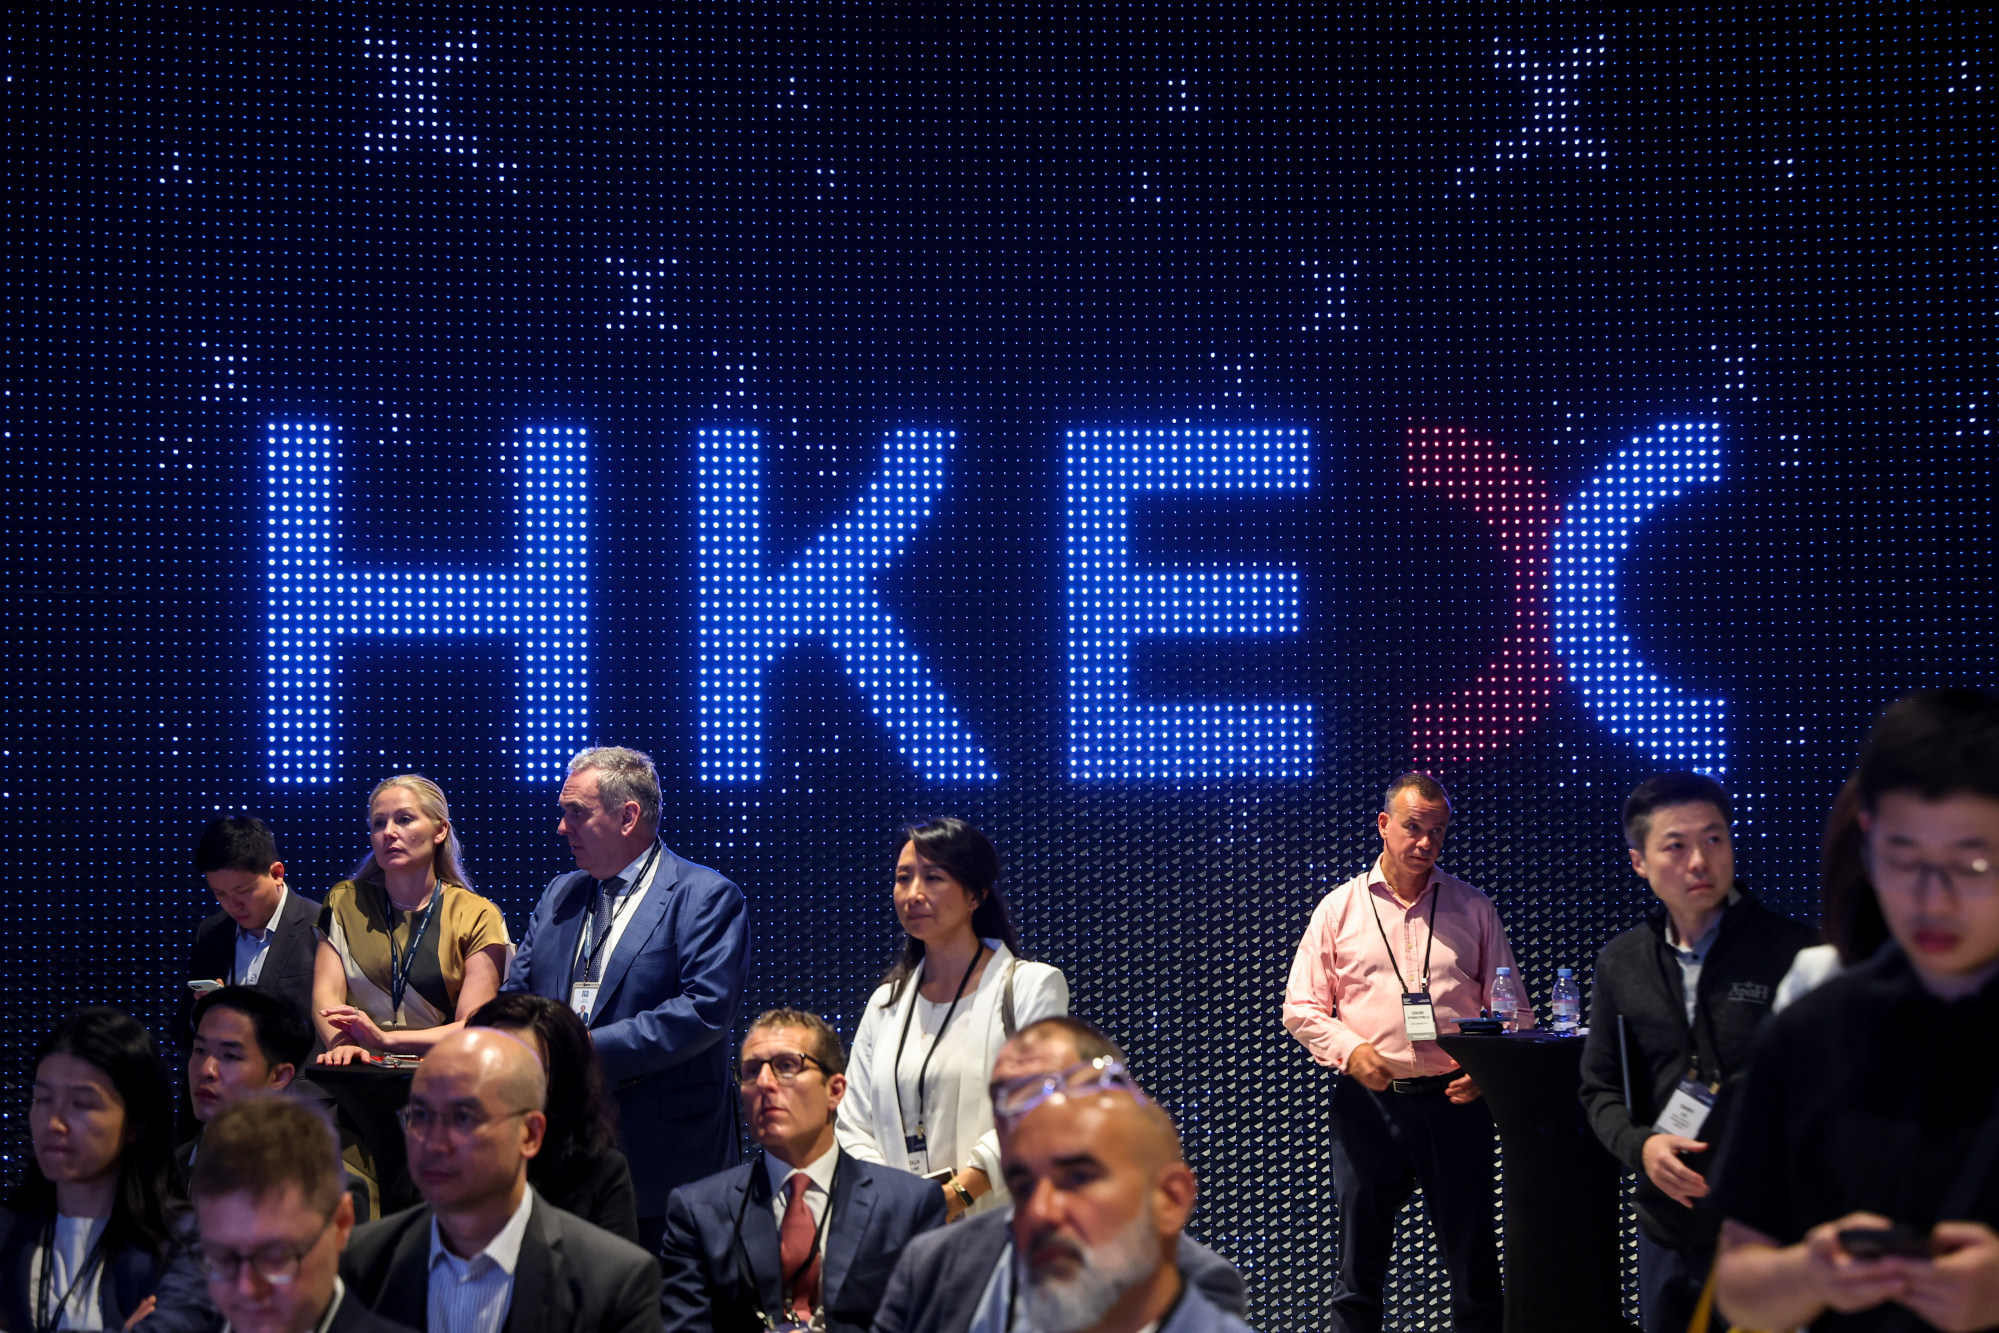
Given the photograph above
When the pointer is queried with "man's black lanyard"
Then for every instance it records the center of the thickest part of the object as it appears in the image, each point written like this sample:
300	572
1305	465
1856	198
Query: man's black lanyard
1427	944
399	968
588	963
49	1312
923	1070
1675	978
788	1288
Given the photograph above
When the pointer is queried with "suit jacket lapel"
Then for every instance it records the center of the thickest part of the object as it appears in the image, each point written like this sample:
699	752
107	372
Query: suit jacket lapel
535	1276
853	1203
565	928
759	1236
405	1295
646	916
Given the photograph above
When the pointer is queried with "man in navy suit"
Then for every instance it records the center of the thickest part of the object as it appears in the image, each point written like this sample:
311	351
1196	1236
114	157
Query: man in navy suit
651	952
804	1230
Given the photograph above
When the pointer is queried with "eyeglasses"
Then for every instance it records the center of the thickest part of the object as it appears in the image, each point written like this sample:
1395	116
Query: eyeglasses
276	1264
787	1065
1975	877
1017	1096
461	1122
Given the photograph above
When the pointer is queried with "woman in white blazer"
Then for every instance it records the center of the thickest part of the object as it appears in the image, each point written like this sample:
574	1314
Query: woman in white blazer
917	1082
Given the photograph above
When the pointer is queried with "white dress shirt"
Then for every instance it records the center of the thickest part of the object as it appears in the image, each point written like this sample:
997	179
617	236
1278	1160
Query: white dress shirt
472	1295
624	906
253	945
818	1190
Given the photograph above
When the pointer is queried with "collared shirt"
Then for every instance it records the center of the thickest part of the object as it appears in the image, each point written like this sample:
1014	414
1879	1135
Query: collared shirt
818	1191
472	1295
253	945
625	900
1691	960
1344	989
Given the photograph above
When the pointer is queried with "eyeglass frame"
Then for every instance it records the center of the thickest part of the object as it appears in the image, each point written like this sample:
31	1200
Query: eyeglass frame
805	1061
1108	1074
1952	878
237	1259
404	1113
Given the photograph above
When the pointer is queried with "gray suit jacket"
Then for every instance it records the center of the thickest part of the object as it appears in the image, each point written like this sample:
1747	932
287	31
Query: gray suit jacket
937	1284
571	1275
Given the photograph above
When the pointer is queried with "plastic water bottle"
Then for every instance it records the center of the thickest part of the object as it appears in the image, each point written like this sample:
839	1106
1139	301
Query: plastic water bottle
1507	1000
1566	1002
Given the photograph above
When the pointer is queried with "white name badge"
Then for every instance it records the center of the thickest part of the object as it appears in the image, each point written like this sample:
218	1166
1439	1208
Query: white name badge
1419	1017
583	1000
1686	1110
918	1149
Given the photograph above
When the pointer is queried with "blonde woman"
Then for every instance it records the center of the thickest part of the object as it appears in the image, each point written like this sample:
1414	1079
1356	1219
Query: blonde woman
407	949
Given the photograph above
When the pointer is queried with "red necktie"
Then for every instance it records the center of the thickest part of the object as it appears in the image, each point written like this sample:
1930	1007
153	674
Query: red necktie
795	1241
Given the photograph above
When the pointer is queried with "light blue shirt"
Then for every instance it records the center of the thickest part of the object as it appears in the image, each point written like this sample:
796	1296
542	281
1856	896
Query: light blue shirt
1692	958
473	1295
252	945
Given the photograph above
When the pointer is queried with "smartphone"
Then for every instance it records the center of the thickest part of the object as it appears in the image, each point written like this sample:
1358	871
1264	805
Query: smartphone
1882	1242
200	987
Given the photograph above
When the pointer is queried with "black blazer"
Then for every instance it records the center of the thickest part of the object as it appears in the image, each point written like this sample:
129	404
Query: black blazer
129	1277
354	1317
571	1275
937	1285
287	967
875	1212
600	1194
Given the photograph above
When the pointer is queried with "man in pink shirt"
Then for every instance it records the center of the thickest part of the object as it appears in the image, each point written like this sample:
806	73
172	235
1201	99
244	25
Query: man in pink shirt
1393	957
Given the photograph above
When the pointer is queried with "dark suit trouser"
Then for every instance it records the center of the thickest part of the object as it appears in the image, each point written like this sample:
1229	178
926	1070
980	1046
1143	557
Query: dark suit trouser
1384	1145
1669	1283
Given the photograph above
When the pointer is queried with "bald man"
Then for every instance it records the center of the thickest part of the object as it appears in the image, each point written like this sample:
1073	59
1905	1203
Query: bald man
483	1253
959	1279
1101	1194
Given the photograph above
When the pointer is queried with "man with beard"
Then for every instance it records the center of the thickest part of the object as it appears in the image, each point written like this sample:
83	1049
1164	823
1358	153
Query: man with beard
1101	1194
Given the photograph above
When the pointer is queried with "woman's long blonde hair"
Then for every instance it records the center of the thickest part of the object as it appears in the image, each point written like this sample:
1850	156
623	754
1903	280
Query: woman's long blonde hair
449	864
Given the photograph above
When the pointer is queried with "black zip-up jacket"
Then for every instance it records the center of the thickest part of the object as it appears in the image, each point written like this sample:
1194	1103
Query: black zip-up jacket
1638	979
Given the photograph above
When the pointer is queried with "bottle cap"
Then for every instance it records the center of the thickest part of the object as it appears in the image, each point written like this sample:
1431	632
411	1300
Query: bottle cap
1503	971
1565	971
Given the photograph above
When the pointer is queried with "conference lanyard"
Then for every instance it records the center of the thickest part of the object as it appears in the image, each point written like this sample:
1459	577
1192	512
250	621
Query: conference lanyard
49	1315
626	899
1435	893
788	1287
923	1070
399	968
1675	978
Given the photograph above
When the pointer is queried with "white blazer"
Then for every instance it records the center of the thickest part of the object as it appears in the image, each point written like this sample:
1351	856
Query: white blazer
870	1123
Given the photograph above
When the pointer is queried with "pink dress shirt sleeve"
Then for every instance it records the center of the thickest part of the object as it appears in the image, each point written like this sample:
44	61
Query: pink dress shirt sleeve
1311	1007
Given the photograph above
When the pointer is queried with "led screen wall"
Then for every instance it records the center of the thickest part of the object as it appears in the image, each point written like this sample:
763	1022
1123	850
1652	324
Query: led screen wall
1142	431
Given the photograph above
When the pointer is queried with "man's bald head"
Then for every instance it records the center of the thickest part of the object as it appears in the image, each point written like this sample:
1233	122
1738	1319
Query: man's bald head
498	1060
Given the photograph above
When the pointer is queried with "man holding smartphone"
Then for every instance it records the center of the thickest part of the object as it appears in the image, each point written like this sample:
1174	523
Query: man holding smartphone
1859	1181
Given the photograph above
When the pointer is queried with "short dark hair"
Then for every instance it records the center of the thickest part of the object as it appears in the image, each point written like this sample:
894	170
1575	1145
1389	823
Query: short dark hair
260	1145
1935	743
1422	784
283	1035
235	842
825	1042
1091	1042
1668	789
1850	917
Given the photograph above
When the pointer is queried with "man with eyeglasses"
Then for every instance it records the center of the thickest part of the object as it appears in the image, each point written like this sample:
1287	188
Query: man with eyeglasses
805	1235
273	1217
962	1278
1678	1002
483	1253
1859	1180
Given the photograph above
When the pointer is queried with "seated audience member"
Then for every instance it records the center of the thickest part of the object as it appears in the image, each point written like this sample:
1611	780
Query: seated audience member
924	1048
579	1168
265	935
482	1253
1859	1182
407	950
1100	1195
273	1218
1849	914
1679	1000
248	1042
805	1234
86	1238
960	1278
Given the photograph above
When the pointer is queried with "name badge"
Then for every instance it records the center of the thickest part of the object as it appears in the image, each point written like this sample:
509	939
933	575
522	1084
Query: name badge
1419	1016
1686	1110
583	1000
918	1148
